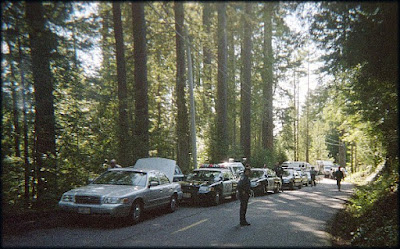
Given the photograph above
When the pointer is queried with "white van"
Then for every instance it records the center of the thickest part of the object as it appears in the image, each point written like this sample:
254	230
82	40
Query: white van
325	166
296	165
235	167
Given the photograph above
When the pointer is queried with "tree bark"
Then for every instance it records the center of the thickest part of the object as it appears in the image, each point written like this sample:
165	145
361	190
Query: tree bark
182	117
222	106
267	122
141	84
124	151
245	93
45	152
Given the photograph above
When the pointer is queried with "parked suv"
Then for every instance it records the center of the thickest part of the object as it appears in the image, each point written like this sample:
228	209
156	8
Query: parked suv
264	180
291	179
209	183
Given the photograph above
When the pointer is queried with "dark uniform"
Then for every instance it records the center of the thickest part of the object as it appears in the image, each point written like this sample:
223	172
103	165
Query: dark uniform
339	176
244	195
313	174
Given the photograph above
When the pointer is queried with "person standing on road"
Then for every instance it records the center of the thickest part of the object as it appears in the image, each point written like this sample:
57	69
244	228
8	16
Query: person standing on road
339	176
313	174
279	171
244	194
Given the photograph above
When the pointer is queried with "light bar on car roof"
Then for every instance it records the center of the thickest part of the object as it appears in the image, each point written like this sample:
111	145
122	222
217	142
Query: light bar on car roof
212	166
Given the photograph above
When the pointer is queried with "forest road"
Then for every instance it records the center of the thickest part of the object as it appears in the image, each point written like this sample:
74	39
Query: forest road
295	218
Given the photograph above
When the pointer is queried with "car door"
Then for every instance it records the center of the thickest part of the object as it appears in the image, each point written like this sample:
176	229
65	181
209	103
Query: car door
155	192
297	178
270	179
166	188
227	183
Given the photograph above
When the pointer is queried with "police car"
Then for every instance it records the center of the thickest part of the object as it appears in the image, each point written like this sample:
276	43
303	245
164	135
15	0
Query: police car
210	183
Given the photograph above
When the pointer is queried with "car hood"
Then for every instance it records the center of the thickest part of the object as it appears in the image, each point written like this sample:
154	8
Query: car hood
195	183
105	190
166	166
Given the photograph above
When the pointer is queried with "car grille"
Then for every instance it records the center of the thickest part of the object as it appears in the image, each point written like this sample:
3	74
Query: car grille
83	199
190	189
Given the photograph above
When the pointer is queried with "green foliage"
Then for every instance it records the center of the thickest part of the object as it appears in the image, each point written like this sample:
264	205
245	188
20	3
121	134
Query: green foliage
371	215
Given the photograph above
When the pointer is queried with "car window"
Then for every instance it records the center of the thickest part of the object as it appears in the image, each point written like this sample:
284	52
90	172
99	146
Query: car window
204	175
153	178
178	170
122	178
227	175
271	173
256	174
163	178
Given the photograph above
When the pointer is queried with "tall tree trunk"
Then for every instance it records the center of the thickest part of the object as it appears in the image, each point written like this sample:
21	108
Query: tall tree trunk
141	85
27	168
182	118
207	71
14	95
222	105
45	153
245	93
124	151
267	122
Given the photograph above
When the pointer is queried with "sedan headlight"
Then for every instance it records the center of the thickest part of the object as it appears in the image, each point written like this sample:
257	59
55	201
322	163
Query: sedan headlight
115	200
254	184
206	189
68	198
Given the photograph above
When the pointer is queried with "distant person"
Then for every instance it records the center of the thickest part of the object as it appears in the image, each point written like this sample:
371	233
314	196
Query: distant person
339	177
113	164
244	194
279	172
313	174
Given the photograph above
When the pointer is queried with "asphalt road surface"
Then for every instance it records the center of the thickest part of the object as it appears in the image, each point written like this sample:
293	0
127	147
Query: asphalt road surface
294	218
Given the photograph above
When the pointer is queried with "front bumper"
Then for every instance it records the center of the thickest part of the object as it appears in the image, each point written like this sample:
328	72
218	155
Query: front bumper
113	210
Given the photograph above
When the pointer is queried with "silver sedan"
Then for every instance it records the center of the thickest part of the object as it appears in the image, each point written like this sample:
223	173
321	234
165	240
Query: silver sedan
123	192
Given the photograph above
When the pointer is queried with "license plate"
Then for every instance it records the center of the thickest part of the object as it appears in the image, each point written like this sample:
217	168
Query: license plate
84	210
187	195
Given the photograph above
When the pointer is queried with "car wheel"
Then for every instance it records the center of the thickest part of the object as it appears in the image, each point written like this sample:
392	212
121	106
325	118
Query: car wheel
277	188
217	198
136	213
291	185
235	195
265	189
301	185
172	203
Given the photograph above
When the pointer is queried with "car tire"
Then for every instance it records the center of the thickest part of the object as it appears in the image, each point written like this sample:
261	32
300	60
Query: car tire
217	198
235	195
136	213
300	186
277	188
291	185
173	203
265	189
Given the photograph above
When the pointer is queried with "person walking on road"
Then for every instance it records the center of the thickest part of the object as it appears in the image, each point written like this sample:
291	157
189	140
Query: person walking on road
244	195
279	171
339	176
313	173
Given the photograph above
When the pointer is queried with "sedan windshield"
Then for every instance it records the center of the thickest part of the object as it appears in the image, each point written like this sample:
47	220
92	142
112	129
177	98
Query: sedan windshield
122	178
256	174
286	173
203	175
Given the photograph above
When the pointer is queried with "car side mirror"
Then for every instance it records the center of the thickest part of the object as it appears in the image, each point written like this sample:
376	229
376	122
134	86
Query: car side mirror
153	184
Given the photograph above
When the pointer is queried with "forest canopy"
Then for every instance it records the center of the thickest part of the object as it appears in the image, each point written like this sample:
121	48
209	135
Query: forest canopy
87	81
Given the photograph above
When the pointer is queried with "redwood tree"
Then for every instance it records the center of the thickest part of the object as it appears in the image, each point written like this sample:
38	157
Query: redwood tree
45	146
